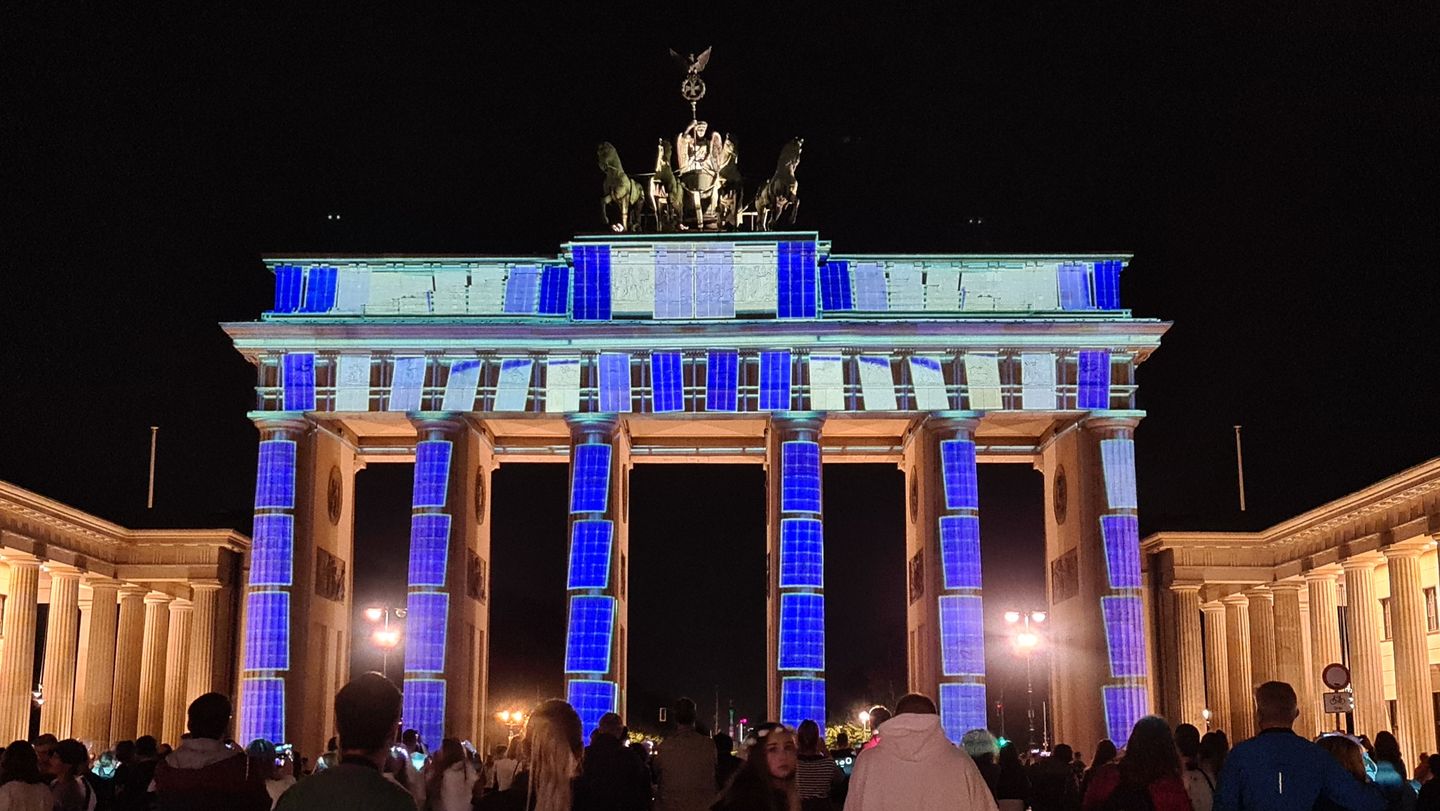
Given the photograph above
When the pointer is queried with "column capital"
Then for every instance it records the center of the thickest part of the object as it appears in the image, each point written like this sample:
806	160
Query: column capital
1186	587
1287	586
789	420
1100	422
181	604
285	421
1402	552
157	598
952	420
62	571
1237	599
1213	607
16	557
1259	593
443	421
581	424
1365	561
96	582
204	585
132	591
1321	574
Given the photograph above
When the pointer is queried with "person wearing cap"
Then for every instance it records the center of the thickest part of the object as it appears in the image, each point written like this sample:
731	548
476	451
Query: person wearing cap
915	768
203	773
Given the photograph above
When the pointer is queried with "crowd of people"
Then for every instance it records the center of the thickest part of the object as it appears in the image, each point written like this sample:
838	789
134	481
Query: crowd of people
907	764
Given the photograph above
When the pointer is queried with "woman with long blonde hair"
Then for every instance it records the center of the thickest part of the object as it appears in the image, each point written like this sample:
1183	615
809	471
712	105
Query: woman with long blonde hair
550	752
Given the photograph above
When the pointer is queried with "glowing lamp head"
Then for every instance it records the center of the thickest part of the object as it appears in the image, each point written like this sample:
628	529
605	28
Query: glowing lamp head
1205	713
1038	616
864	716
504	716
386	638
1026	642
1012	616
374	613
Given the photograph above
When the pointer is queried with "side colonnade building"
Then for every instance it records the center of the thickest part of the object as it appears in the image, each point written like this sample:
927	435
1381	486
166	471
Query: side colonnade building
138	622
729	348
1352	581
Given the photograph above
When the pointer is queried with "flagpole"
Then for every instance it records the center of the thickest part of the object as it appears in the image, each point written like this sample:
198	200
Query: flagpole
1240	468
150	497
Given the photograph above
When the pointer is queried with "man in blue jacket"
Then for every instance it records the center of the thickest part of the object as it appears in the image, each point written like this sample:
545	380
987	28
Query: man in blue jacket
1278	770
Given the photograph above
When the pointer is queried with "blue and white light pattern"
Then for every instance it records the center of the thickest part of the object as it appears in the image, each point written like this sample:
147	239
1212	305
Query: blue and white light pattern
802	699
592	627
1107	284
591	699
1093	378
1123	707
275	475
722	380
714	284
1117	459
871	290
288	281
800	477
554	289
615	382
802	631
775	372
272	551
1125	633
802	553
1121	535
667	382
423	707
957	469
432	473
962	708
962	635
795	264
1074	280
267	630
426	618
429	549
590	545
262	708
522	290
835	294
592	283
960	551
590	478
319	290
297	379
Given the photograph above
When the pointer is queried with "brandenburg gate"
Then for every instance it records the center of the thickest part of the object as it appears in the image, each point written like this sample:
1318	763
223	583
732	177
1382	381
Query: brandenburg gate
749	348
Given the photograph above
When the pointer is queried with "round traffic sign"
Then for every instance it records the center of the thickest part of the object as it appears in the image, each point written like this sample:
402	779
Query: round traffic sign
1336	676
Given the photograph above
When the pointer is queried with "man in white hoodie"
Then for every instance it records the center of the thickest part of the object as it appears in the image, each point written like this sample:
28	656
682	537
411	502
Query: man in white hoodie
915	768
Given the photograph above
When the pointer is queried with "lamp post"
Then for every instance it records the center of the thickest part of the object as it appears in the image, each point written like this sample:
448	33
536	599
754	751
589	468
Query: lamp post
382	635
1026	640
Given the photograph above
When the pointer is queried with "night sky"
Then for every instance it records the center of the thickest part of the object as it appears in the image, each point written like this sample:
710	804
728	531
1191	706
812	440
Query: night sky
1273	171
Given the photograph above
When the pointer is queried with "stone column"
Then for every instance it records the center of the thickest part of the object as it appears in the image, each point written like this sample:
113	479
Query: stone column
1190	654
1320	584
1362	631
1289	637
62	637
152	665
177	661
1262	636
1415	716
1242	699
92	722
129	645
200	677
17	651
1217	668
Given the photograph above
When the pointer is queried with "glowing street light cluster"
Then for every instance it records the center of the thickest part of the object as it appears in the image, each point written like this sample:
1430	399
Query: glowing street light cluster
383	635
1027	641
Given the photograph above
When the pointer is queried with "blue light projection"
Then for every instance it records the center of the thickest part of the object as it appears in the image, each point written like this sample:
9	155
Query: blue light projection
319	290
800	477
423	707
267	630
590	544
960	551
795	264
262	708
1123	707
590	478
592	627
962	636
1125	633
962	708
591	699
275	475
775	372
429	548
1117	459
592	283
667	382
432	473
297	379
522	289
615	382
1121	534
802	699
1093	376
802	553
802	631
1074	281
288	280
554	289
835	293
722	380
272	551
957	470
425	622
1107	284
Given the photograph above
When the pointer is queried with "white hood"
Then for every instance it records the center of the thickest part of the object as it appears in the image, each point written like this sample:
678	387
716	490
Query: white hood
916	768
197	753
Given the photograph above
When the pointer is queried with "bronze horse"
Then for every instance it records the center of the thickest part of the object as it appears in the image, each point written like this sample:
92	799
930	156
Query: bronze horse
781	193
666	201
621	190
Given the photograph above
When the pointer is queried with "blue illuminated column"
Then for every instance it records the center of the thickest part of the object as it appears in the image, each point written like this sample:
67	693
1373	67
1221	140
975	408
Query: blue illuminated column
959	610
266	654
796	569
596	576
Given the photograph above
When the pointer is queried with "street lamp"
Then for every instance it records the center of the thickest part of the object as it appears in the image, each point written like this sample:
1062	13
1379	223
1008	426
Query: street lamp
1205	713
382	635
512	719
1027	641
865	719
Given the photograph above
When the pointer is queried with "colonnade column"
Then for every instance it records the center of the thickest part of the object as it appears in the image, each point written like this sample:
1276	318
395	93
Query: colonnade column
1362	632
92	721
17	652
1289	639
1415	716
152	665
595	585
1262	636
795	615
1217	668
1324	631
129	645
1242	700
62	638
200	673
1190	654
177	670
